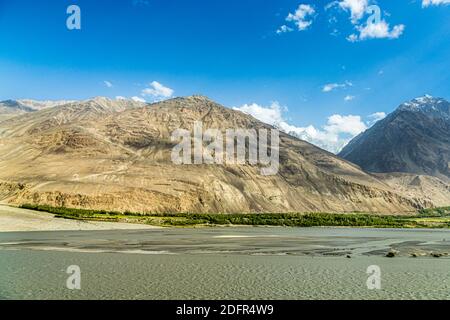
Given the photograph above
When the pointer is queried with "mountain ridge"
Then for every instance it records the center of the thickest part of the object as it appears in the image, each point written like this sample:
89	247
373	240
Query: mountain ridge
105	154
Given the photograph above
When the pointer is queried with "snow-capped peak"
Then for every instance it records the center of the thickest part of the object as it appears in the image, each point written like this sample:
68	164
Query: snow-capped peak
435	107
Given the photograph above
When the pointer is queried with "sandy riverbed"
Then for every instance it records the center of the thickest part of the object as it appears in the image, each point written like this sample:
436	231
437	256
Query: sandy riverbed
16	220
226	263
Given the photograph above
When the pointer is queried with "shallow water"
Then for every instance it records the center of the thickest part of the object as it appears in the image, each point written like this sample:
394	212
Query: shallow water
225	263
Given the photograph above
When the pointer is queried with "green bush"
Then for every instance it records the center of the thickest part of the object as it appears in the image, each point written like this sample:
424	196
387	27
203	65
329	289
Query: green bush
272	219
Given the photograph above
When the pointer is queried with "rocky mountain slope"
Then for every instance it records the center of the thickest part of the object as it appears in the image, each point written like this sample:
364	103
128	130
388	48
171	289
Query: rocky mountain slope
116	155
412	185
414	139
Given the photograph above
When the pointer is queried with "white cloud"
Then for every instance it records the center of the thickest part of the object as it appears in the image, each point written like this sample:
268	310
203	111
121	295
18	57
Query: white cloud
333	136
108	84
350	124
357	8
157	91
349	98
375	117
301	17
427	3
284	29
380	30
333	86
352	38
138	99
271	115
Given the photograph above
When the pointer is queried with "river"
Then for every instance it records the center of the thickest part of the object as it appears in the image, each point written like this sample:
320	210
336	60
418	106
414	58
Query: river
226	263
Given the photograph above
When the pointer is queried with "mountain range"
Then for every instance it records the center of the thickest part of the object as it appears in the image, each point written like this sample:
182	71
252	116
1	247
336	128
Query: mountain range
116	155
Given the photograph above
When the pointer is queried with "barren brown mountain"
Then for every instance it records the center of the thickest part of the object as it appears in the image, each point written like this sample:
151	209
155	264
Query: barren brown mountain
427	187
116	155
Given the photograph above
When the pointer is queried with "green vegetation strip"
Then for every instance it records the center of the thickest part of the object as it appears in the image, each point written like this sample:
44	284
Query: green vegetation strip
430	218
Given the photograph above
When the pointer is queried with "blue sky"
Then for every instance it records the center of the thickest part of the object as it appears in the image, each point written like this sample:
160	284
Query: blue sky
327	63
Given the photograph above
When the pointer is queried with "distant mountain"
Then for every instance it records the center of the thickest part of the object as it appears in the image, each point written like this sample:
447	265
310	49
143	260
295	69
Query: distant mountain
414	139
116	155
11	108
28	105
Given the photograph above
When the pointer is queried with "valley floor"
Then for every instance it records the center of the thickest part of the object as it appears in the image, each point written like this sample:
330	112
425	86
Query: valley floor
18	219
46	218
226	263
